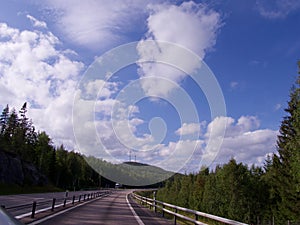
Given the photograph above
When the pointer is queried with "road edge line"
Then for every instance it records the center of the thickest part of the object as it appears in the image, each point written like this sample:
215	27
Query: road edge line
137	218
63	211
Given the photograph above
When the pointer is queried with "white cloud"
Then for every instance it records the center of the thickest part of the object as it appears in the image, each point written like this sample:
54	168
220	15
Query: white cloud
244	124
175	155
189	25
100	89
277	9
190	128
97	24
36	22
216	127
247	123
243	140
32	69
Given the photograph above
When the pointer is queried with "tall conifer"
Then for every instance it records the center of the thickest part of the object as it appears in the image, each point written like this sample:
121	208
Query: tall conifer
286	165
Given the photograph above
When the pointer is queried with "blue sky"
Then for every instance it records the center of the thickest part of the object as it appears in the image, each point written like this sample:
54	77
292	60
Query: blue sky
251	48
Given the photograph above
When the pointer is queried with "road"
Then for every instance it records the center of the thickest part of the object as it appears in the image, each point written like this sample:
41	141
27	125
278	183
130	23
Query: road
21	199
13	200
115	209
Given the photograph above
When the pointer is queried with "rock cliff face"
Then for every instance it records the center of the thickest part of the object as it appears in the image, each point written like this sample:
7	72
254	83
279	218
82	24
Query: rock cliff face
14	170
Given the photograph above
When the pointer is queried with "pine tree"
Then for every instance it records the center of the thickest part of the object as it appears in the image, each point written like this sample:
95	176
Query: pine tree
4	119
3	124
11	131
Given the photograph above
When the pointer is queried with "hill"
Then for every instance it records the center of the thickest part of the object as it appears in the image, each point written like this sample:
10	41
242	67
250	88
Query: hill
133	174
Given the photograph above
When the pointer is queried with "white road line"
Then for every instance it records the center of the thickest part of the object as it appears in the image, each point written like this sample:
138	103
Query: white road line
138	219
41	210
63	211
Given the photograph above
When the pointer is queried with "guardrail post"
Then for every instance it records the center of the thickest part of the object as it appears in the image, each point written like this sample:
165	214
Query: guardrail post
53	204
175	217
154	200
196	217
73	201
65	200
33	209
163	211
79	198
84	197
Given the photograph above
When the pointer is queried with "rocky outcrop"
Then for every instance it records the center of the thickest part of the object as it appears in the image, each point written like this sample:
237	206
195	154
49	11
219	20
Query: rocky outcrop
14	170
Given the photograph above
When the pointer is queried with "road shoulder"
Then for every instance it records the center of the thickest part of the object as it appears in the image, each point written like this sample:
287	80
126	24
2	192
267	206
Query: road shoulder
146	215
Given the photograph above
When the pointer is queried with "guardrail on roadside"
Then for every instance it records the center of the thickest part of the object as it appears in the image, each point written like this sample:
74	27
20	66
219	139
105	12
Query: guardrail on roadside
42	206
163	207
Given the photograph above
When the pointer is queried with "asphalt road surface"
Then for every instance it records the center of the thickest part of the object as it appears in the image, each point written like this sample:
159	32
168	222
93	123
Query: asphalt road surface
115	209
13	200
21	199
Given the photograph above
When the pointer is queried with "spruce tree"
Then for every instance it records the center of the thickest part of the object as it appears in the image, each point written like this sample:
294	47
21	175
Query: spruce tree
286	165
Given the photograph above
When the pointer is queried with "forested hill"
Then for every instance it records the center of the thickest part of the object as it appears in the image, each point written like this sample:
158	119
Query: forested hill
20	142
38	162
256	195
131	174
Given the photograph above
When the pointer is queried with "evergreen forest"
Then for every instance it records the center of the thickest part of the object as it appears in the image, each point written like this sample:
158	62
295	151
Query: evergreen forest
63	169
257	195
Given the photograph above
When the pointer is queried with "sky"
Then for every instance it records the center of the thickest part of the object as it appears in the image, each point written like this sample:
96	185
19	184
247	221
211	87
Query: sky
177	84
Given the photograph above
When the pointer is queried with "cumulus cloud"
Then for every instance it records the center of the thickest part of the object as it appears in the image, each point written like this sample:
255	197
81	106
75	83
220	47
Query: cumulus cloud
190	25
189	128
34	70
243	140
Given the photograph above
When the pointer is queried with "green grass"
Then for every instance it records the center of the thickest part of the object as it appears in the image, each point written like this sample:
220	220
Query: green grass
11	189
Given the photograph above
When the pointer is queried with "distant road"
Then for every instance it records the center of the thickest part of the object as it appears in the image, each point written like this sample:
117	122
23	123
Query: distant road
115	209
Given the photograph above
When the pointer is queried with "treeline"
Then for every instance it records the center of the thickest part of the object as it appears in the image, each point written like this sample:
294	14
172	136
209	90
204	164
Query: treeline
68	169
231	191
256	195
64	169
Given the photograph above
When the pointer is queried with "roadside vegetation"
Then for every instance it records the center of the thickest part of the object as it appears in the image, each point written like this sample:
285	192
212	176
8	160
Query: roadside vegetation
257	195
63	169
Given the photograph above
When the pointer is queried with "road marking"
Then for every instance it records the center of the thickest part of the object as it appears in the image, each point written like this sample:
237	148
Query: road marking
138	219
40	210
63	211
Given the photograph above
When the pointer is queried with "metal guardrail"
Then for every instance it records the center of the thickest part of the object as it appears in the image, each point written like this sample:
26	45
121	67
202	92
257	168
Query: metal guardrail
42	206
162	206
